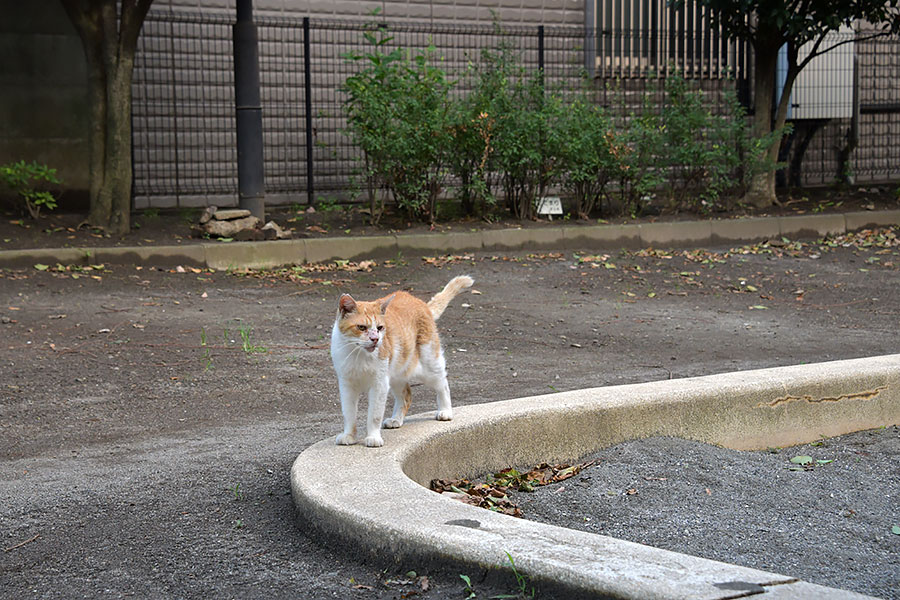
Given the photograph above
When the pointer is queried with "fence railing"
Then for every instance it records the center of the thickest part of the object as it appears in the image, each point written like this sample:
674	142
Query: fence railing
184	149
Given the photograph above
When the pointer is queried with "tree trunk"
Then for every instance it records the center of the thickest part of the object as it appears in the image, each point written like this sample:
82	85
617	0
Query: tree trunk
115	192
109	38
761	190
97	135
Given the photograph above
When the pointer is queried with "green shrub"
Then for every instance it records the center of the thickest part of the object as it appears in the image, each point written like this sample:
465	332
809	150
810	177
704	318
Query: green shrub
472	124
520	152
587	159
503	139
701	153
511	139
638	152
23	178
397	114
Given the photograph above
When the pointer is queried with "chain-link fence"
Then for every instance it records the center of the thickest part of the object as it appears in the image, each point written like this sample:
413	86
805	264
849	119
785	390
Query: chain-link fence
184	150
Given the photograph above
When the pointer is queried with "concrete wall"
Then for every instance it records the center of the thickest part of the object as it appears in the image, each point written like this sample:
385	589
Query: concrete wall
548	12
43	91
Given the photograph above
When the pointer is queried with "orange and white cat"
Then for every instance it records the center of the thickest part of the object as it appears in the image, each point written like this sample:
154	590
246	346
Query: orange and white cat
384	345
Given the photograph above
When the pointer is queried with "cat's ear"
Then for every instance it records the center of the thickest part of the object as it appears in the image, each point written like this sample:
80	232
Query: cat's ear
346	304
384	304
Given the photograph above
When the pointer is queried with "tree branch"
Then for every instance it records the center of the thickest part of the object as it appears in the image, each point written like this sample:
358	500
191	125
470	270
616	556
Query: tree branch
133	14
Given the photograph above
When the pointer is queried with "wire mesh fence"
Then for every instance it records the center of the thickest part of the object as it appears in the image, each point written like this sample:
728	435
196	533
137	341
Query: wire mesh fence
184	149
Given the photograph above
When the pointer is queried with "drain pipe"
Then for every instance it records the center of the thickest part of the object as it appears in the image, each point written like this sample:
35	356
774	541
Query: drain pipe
590	39
251	186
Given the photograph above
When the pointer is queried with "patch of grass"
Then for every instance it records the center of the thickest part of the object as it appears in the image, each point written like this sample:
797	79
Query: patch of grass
206	355
246	345
468	589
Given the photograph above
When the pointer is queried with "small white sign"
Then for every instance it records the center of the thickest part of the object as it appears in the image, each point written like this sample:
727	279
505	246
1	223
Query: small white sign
550	205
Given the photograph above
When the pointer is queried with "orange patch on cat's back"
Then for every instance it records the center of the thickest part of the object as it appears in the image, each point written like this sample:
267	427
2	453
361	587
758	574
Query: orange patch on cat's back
409	323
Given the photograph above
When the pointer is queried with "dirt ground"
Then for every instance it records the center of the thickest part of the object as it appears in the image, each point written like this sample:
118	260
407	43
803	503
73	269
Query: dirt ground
828	521
153	227
149	417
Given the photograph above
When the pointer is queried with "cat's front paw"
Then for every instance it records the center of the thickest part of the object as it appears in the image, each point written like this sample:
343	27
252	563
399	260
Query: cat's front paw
392	423
374	441
444	415
345	439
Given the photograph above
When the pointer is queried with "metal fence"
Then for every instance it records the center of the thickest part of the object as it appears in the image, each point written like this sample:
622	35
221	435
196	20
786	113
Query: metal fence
184	149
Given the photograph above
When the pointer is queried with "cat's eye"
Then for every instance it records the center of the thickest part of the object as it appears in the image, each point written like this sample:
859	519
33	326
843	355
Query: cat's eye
380	327
361	327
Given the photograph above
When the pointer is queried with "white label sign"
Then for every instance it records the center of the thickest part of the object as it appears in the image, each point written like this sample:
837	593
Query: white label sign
550	205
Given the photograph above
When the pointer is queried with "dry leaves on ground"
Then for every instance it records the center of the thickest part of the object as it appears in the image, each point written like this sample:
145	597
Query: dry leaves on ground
492	494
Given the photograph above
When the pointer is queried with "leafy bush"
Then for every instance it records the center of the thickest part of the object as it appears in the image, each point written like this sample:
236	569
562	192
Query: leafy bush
639	154
588	159
23	178
521	148
701	155
471	133
397	114
504	138
509	138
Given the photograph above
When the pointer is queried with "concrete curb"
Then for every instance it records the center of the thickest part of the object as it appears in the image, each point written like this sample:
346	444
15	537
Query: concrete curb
374	497
272	254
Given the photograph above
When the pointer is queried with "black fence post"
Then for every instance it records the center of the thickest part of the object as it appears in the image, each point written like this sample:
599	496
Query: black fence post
541	54
307	88
251	179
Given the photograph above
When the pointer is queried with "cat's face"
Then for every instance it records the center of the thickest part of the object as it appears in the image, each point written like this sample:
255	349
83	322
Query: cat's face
361	323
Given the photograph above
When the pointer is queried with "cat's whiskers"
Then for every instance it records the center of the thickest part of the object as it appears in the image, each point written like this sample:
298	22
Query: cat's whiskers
357	346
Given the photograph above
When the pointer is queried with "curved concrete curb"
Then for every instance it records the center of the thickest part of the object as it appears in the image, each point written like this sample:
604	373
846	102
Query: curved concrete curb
375	499
263	255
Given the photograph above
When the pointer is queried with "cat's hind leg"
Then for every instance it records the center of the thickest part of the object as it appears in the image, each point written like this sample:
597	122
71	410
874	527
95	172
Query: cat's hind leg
434	370
444	409
402	399
349	403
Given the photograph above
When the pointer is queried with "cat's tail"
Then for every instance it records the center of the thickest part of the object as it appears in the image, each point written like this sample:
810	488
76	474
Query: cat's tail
440	300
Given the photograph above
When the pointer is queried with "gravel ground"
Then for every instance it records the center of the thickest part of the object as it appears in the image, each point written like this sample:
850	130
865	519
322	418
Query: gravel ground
149	417
826	522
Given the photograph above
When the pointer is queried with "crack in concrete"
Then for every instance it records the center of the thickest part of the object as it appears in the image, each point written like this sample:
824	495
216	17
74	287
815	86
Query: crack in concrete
867	395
